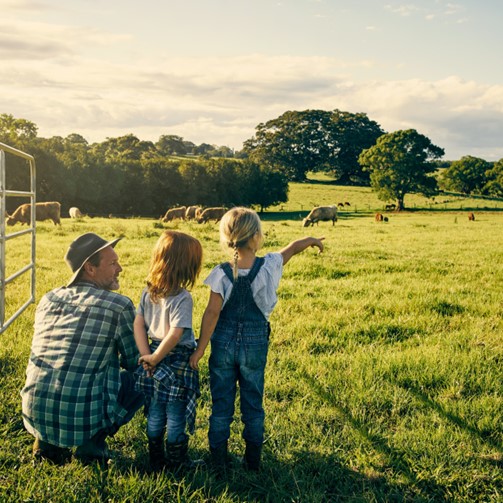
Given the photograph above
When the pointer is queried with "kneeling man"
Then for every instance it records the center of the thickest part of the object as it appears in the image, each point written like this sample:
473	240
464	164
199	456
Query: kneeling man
76	393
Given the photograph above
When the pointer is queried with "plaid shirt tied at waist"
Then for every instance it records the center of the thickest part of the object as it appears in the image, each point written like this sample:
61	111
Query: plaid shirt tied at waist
173	379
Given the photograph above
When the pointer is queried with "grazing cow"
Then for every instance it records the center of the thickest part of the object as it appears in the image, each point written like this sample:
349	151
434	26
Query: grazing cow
323	213
43	211
390	207
347	204
379	217
341	205
174	213
190	214
74	212
215	213
471	217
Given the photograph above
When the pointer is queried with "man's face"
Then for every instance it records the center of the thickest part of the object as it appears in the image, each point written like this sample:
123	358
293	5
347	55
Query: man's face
106	275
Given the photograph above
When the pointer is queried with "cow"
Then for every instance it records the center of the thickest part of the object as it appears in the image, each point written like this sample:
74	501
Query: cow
390	207
174	213
190	213
43	211
471	217
321	213
74	212
379	217
347	204
340	205
215	213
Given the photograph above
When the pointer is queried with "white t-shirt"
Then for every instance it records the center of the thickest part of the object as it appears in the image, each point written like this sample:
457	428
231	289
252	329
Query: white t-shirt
173	311
264	285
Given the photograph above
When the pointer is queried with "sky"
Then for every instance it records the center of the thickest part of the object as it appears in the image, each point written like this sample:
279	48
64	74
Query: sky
210	71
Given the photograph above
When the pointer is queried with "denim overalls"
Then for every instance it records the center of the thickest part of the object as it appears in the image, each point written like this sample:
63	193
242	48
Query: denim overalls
239	347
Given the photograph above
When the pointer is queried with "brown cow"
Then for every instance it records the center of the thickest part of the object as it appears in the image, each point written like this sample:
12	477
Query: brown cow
321	213
379	217
173	213
43	211
215	213
471	217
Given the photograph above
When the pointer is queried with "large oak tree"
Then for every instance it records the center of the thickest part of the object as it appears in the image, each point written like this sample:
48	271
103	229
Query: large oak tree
315	140
401	163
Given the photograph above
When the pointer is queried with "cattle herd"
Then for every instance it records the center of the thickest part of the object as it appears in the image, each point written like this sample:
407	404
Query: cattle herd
52	211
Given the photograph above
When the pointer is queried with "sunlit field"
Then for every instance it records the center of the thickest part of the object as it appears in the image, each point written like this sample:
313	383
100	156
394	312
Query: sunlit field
385	371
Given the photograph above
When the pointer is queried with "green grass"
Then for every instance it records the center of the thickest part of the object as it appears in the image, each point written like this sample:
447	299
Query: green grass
384	379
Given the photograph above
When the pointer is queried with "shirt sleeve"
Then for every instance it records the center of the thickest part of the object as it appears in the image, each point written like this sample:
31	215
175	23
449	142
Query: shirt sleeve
180	312
141	305
219	282
127	346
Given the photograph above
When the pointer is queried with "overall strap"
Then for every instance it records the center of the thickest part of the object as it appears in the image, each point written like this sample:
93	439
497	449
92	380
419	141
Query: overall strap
257	264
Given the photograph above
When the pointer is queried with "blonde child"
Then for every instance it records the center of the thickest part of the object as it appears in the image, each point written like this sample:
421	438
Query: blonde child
243	295
164	316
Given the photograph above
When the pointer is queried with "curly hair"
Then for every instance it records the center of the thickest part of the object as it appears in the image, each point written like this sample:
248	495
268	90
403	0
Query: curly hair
175	264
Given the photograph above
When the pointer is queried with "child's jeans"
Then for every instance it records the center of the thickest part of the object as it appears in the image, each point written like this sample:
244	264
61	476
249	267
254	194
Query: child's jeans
237	358
169	415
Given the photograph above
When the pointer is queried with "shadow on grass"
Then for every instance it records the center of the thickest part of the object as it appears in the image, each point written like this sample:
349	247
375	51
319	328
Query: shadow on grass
481	435
305	477
414	486
278	216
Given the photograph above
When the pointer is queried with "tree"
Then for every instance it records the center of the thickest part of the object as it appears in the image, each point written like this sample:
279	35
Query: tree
467	175
16	132
123	148
170	144
314	140
400	163
494	184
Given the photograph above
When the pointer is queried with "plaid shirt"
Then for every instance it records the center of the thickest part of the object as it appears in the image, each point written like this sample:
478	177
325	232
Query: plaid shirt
173	379
83	335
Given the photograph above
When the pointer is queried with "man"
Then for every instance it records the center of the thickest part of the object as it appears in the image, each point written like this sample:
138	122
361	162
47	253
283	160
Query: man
75	393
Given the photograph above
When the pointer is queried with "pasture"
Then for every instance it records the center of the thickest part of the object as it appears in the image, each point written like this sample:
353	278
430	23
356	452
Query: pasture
384	378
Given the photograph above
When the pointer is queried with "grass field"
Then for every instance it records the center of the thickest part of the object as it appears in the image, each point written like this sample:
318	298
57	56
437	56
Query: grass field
384	378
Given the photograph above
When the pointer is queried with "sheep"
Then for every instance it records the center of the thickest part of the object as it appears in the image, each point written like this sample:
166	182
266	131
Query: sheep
74	212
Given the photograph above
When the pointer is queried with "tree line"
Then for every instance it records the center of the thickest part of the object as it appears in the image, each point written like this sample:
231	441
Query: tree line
129	176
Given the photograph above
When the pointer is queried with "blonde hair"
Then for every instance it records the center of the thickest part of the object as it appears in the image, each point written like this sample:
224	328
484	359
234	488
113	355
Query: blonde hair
175	264
237	227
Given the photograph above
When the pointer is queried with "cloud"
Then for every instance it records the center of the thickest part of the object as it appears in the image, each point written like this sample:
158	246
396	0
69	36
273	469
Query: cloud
221	100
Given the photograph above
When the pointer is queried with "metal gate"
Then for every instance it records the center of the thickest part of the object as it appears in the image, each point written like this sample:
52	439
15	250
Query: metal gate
4	238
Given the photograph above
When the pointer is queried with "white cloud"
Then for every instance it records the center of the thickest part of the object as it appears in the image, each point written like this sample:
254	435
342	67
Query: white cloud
68	79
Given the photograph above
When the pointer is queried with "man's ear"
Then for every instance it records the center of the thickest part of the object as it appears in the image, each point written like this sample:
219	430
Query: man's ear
88	269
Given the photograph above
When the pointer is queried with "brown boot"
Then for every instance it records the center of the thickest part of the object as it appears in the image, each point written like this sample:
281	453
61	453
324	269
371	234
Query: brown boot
156	453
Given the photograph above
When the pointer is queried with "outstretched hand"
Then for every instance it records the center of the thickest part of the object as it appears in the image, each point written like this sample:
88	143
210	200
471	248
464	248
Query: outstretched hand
318	243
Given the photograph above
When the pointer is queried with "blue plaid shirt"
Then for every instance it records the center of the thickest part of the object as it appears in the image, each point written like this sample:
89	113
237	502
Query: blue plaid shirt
83	335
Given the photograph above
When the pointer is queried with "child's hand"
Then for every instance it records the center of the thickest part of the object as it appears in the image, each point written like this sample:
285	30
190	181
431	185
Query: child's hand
148	362
318	243
194	359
